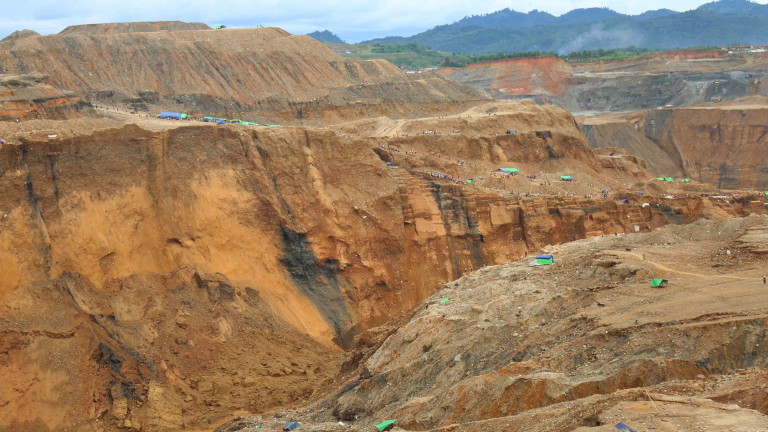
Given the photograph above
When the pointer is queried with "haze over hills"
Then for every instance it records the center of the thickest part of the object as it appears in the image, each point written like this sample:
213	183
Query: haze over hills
719	23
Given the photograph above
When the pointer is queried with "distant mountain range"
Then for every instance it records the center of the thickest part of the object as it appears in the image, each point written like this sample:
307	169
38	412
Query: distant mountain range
724	22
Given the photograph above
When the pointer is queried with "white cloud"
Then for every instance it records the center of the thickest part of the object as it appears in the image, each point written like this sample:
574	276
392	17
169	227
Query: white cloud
351	19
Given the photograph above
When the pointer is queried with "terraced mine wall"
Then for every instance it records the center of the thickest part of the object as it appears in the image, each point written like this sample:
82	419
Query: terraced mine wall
151	278
721	146
648	82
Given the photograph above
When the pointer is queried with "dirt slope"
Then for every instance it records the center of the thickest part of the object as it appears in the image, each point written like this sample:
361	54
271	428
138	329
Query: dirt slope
300	237
262	74
515	347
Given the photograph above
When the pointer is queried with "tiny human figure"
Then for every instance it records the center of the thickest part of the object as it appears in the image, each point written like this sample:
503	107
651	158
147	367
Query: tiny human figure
764	280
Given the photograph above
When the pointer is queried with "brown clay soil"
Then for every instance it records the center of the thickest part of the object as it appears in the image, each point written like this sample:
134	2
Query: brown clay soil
581	345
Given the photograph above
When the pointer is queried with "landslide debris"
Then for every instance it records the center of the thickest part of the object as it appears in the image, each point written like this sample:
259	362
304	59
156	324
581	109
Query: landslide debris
148	352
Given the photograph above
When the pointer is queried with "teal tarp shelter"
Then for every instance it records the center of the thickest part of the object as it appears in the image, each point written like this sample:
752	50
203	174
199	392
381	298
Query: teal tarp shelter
655	283
220	26
660	178
513	171
669	179
566	178
545	260
385	425
469	181
685	180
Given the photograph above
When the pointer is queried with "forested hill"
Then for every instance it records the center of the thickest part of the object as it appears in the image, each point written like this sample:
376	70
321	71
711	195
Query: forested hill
720	23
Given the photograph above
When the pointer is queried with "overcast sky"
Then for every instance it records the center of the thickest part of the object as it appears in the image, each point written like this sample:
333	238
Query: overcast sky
352	20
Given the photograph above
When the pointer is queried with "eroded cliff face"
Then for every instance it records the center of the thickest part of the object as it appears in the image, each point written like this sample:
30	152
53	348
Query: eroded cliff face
148	259
722	145
262	74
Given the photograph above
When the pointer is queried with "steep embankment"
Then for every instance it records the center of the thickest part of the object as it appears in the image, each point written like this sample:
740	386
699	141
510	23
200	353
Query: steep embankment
258	74
722	144
175	273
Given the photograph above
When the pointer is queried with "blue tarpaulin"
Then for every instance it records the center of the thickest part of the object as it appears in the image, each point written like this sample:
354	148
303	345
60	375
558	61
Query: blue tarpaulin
623	427
173	115
291	426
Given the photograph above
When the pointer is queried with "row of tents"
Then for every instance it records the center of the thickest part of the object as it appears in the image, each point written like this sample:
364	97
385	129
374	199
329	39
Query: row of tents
516	171
218	120
381	427
671	179
173	115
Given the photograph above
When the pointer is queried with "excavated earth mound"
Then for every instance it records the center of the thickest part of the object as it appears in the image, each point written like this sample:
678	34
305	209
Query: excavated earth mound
264	75
165	278
132	27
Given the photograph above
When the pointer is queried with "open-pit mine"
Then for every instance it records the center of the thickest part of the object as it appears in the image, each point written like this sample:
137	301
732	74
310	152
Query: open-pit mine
325	244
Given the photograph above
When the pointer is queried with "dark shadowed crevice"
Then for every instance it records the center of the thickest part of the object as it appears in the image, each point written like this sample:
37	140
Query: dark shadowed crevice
318	282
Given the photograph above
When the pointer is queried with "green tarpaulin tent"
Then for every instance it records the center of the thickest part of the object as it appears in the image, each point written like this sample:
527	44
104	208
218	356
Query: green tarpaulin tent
469	181
669	179
510	170
445	300
660	178
655	283
385	425
685	180
545	259
220	26
566	178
